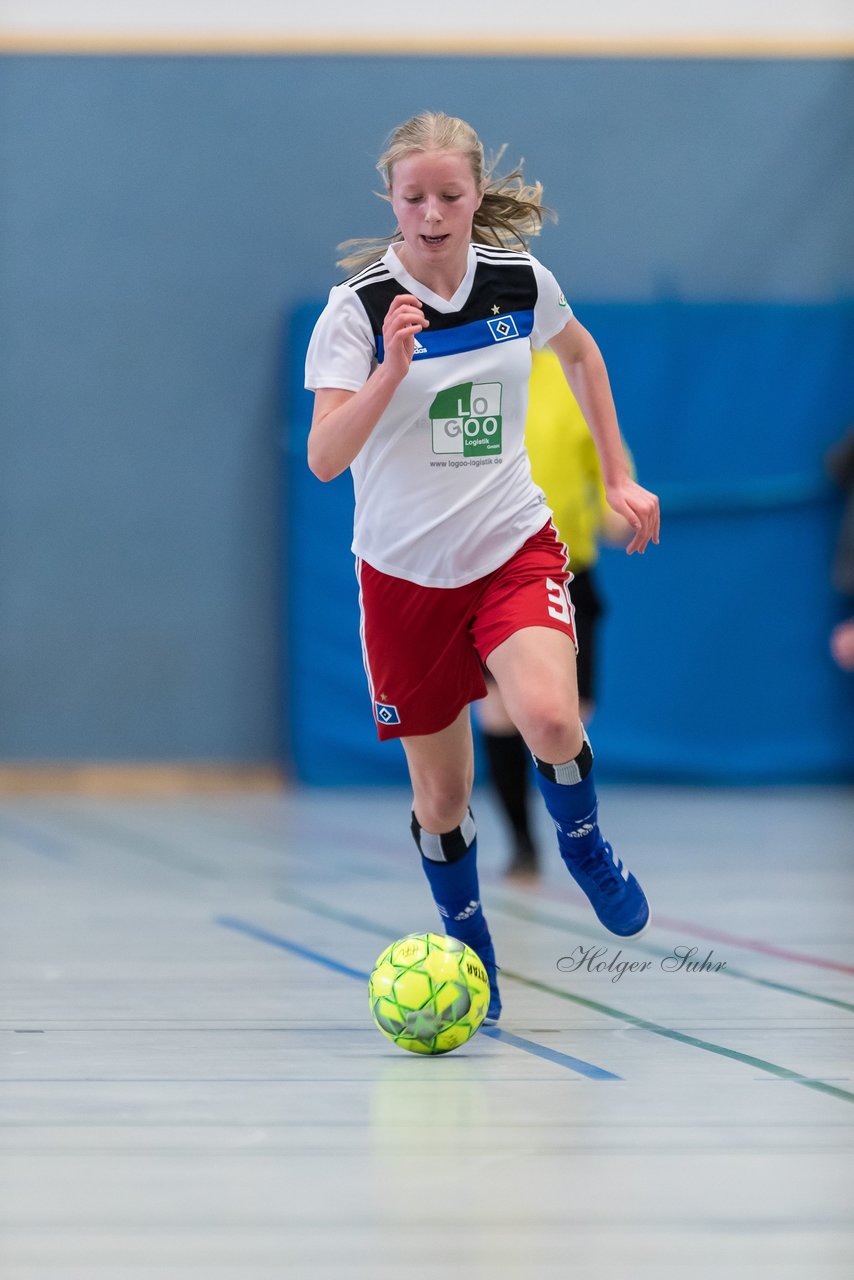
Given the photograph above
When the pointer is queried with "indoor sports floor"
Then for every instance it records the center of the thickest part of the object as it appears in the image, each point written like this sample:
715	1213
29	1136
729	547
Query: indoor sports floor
192	1085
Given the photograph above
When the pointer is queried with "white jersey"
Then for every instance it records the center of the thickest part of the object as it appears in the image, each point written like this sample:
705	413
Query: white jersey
443	486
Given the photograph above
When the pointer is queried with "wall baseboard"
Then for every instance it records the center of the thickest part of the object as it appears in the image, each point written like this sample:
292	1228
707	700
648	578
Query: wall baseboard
798	45
161	779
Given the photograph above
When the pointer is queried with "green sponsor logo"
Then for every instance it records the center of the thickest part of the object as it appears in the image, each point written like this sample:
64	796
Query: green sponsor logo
467	420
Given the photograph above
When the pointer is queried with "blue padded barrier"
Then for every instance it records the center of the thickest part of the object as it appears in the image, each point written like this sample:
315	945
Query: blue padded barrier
715	662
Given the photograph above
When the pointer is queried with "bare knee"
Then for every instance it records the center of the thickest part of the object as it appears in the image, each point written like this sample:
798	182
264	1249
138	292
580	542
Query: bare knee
441	801
553	732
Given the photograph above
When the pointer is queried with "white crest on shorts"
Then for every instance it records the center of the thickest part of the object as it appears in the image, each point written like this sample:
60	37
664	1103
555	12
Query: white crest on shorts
385	713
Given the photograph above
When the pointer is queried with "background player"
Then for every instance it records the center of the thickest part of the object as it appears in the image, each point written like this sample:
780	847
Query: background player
840	465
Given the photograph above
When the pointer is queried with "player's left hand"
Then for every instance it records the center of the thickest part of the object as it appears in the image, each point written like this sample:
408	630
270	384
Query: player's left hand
640	508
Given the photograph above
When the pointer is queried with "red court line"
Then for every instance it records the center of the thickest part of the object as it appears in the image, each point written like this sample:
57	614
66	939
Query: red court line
713	935
391	851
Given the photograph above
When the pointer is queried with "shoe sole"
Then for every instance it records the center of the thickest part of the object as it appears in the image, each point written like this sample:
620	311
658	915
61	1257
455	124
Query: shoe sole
630	937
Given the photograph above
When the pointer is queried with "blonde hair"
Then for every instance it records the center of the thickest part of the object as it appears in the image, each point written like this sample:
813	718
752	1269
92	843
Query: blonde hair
510	213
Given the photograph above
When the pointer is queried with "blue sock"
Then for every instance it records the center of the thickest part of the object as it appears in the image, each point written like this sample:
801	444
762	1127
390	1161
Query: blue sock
570	795
450	865
613	892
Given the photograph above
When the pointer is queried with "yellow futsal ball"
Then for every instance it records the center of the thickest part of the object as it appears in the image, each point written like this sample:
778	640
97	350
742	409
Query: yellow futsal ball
428	993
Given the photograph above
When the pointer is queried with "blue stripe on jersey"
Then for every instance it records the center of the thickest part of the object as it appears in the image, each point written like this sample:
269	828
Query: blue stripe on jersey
468	337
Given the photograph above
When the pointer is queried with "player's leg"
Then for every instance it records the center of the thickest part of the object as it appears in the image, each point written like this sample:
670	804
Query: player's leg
536	673
441	767
423	672
509	764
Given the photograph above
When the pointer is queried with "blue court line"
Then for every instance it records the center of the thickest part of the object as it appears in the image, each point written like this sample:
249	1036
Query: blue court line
551	1055
261	935
495	1033
32	839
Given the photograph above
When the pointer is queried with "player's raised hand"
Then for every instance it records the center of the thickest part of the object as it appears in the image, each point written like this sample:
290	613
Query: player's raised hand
404	319
640	508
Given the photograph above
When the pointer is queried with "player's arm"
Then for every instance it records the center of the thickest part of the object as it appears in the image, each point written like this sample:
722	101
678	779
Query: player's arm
614	530
584	370
343	420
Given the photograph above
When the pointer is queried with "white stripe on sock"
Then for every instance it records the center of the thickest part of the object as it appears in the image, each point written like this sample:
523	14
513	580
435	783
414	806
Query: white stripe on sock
568	773
431	846
468	829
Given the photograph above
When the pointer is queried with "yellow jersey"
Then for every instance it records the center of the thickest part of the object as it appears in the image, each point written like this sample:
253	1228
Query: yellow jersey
564	461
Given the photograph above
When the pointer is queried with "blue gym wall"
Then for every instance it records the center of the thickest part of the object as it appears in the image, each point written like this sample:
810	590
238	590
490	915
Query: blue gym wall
159	218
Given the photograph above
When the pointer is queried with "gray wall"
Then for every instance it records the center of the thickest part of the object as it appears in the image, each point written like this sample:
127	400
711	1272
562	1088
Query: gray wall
158	217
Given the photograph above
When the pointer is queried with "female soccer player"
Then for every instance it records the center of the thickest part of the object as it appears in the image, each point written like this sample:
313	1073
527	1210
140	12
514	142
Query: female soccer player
420	365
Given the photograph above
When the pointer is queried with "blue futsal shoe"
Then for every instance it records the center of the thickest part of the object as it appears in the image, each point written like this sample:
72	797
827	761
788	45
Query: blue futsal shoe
487	956
614	893
485	952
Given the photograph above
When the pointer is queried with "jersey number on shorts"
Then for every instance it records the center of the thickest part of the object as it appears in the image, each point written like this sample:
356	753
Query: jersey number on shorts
558	602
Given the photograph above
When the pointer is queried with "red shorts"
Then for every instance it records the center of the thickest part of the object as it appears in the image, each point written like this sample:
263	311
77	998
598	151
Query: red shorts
424	646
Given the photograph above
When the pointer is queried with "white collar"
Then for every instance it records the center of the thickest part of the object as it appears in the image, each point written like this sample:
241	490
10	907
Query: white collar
445	305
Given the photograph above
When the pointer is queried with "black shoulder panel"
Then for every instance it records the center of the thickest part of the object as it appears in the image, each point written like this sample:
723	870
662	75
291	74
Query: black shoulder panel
503	282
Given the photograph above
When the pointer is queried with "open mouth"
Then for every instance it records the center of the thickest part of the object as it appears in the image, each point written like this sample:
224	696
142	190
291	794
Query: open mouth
433	240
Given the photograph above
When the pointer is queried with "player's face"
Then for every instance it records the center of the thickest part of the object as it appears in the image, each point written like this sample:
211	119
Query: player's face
434	195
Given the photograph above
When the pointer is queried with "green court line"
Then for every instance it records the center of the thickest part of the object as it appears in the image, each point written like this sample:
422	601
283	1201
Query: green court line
782	1073
746	1059
536	915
